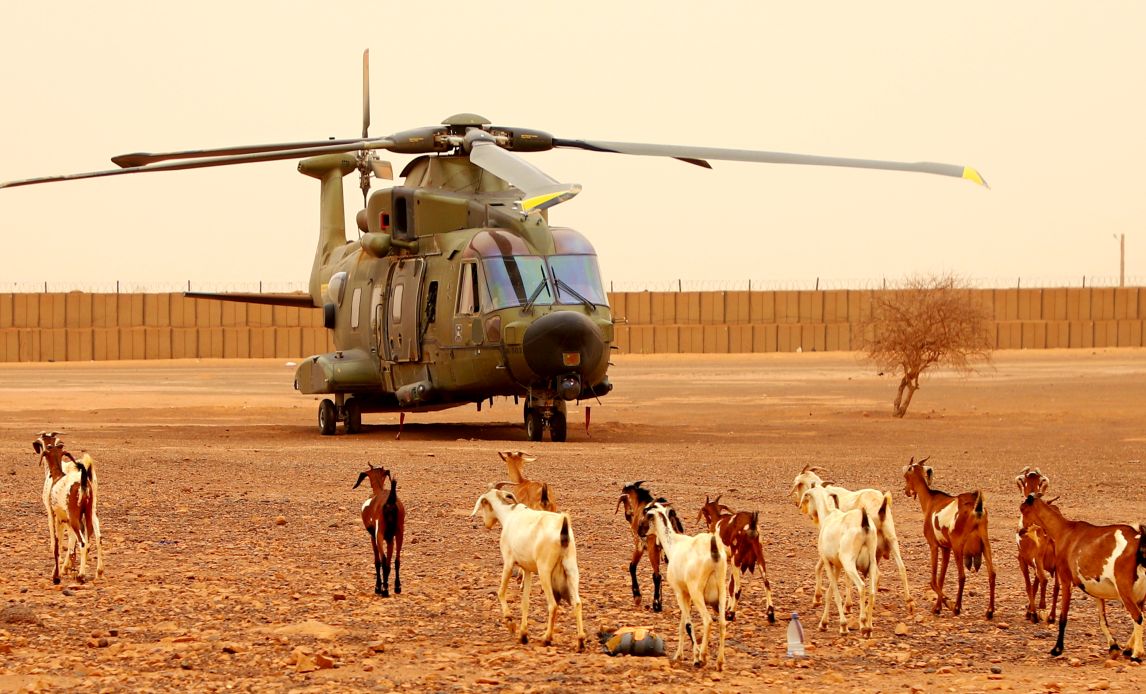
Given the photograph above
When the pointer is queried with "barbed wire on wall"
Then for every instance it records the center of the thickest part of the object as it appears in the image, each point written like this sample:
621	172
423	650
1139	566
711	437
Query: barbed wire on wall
679	285
263	287
827	283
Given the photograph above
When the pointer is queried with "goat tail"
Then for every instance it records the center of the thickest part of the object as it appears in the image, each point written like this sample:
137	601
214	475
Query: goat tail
979	510
393	498
865	524
564	531
1142	545
714	548
85	467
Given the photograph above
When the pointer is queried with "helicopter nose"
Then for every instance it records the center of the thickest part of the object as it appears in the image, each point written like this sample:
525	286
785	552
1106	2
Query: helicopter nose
563	342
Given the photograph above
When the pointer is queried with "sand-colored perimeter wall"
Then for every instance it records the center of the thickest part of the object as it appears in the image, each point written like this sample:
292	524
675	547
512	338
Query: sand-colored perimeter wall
81	327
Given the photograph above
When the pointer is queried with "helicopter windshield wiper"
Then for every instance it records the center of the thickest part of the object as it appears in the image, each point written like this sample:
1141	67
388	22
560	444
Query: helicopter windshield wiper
533	297
562	283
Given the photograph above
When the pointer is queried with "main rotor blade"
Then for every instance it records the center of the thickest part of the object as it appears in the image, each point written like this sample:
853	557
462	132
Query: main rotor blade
541	190
365	93
703	153
350	146
136	159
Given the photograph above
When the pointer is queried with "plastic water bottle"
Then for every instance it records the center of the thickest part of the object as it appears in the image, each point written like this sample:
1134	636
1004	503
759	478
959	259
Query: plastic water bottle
796	638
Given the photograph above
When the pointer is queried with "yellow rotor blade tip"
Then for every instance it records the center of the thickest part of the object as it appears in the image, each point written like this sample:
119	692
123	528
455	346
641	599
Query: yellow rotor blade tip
971	174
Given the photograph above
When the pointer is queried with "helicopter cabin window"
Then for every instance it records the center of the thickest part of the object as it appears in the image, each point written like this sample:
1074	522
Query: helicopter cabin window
432	303
469	301
355	307
396	303
577	279
517	280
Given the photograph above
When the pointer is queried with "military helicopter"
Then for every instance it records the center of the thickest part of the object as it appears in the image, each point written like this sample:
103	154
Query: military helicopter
458	288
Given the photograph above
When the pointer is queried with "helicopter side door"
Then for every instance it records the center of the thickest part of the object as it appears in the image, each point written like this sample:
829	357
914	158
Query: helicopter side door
402	343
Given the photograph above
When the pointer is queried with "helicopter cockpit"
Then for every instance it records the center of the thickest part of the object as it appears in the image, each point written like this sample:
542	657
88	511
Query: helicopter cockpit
515	275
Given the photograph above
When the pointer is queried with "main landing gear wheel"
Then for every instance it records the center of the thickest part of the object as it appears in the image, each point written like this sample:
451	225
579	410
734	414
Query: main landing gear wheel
327	417
353	416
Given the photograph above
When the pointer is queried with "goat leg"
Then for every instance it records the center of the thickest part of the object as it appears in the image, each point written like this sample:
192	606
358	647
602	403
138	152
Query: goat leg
960	560
377	559
1058	646
1054	599
638	552
526	582
940	598
398	564
700	654
990	562
1111	645
1031	587
655	561
545	576
685	625
506	571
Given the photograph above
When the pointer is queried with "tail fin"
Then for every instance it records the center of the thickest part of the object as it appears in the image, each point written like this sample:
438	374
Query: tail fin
564	531
714	549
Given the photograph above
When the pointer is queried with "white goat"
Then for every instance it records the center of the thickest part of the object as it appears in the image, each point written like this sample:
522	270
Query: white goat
846	500
848	542
58	464
71	499
698	576
538	542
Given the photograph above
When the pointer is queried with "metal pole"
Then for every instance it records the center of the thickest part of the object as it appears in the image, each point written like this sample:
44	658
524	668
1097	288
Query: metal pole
1122	260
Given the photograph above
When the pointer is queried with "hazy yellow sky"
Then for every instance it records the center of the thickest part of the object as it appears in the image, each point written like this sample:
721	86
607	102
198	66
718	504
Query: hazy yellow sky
1045	98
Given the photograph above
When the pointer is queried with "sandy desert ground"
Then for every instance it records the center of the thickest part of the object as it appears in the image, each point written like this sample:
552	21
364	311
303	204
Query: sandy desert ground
204	591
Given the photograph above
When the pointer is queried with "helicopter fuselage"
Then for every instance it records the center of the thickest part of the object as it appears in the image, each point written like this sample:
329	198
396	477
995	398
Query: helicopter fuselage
452	296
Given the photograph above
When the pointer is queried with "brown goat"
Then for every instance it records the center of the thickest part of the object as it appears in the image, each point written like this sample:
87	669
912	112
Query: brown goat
738	531
1036	552
952	524
52	455
535	495
635	499
385	520
1104	561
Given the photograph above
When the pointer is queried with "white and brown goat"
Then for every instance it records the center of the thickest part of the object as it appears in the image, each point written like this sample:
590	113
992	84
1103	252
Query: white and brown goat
70	498
385	520
740	534
1107	562
951	524
848	543
636	499
698	576
846	500
1036	552
537	542
535	495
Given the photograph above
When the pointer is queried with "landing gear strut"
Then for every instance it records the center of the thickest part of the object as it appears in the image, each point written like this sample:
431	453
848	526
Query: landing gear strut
541	414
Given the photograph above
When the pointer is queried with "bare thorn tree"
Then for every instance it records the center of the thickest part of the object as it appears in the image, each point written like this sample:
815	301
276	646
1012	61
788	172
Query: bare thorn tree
929	321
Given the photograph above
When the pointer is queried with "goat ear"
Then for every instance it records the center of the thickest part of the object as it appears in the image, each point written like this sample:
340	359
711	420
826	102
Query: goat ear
477	506
38	446
1019	480
504	455
361	476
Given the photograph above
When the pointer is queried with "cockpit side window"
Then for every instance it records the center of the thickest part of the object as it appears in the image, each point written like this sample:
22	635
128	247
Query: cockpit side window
469	299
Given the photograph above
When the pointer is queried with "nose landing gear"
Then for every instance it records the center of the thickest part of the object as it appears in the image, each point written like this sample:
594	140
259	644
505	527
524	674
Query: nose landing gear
542	414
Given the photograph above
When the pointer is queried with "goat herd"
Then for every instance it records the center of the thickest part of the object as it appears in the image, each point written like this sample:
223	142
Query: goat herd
855	531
